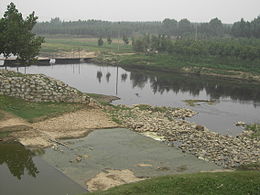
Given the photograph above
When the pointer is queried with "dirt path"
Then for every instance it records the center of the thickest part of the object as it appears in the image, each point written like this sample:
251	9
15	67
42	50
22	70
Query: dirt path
69	125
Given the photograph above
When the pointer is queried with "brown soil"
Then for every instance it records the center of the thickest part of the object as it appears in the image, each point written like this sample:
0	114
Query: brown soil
12	123
70	125
111	178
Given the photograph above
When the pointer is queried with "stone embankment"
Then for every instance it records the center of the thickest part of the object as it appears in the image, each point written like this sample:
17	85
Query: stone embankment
38	88
223	150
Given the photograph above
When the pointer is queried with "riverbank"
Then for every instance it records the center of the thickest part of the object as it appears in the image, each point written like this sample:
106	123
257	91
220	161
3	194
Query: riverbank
203	183
211	66
224	67
170	125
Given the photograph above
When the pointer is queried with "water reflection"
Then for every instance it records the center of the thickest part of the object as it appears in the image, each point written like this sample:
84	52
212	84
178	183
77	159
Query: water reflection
18	159
179	83
123	77
99	76
108	76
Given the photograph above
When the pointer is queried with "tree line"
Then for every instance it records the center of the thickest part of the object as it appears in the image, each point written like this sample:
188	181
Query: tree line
16	36
171	27
240	48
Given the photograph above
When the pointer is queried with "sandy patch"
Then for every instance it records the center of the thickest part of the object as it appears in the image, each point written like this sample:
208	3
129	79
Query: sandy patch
144	165
111	178
76	121
70	125
12	123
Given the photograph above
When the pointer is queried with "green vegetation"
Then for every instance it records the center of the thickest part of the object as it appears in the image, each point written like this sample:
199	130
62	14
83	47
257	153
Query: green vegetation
2	116
226	183
250	167
176	62
152	108
255	128
196	102
74	45
35	111
163	61
4	134
16	37
170	27
235	48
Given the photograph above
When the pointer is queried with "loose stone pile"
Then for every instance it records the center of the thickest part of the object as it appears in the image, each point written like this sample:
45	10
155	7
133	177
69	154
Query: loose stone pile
38	88
223	150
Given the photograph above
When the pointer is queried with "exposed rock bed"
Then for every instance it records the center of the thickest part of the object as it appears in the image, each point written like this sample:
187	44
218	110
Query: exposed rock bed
38	88
223	150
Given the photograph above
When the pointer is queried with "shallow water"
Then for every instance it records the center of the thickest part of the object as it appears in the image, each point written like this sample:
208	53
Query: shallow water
121	149
235	100
23	172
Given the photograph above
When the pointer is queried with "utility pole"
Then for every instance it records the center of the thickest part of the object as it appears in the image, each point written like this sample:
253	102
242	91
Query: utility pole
196	33
118	36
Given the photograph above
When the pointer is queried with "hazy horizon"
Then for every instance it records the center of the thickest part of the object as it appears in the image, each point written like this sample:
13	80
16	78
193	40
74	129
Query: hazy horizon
144	10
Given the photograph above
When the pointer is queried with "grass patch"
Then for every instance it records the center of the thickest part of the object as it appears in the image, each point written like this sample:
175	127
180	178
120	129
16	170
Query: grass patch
11	74
34	111
255	128
227	183
250	167
2	116
220	65
152	108
197	102
68	44
4	134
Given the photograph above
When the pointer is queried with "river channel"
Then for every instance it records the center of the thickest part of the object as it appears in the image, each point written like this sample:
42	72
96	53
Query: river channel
235	100
29	172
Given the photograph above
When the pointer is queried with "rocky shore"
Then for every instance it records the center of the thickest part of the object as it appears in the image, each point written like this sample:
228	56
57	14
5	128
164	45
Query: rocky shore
170	123
39	88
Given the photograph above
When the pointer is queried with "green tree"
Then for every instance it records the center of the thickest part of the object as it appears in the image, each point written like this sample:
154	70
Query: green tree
100	42
170	27
125	39
17	35
1	36
216	27
185	27
109	40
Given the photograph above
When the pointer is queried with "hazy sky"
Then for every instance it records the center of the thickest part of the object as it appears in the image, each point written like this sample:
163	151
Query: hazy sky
139	10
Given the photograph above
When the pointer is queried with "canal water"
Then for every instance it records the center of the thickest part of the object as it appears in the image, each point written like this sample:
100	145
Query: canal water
23	172
235	100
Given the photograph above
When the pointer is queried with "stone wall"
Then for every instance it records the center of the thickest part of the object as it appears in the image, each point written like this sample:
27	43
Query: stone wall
38	88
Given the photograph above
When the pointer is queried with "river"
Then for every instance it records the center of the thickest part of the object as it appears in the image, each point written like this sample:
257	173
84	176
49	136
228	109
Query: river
28	172
235	100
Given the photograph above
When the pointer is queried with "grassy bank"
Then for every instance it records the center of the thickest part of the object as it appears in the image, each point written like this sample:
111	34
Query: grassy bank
255	128
35	111
204	65
109	54
229	183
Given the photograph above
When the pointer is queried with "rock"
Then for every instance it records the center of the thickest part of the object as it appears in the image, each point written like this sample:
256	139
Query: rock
39	88
226	151
199	128
240	123
78	158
